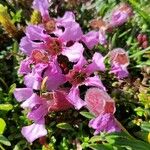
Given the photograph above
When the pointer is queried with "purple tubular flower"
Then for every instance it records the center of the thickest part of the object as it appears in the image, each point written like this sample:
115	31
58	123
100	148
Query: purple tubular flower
34	79
119	71
31	102
104	123
55	76
33	40
74	52
119	61
34	131
42	6
120	15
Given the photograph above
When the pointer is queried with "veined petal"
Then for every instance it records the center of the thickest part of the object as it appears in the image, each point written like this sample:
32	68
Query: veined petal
79	65
72	31
25	66
55	76
102	37
35	32
38	111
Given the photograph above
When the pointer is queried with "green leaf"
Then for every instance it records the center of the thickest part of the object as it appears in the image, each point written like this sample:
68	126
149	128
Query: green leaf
145	126
2	125
4	140
123	140
64	126
101	147
12	88
87	114
6	107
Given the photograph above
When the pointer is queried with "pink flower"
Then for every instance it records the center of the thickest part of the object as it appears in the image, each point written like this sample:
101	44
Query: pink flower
119	61
50	47
98	101
102	106
57	100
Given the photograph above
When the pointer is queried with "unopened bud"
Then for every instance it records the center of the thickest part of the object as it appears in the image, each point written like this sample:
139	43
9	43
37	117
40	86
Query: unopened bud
6	22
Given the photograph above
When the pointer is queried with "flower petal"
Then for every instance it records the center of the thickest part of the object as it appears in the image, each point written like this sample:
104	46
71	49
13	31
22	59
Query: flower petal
74	52
90	39
94	81
21	94
74	98
34	131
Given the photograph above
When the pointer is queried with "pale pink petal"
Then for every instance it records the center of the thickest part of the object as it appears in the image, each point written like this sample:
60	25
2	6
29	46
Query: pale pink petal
21	94
31	101
34	131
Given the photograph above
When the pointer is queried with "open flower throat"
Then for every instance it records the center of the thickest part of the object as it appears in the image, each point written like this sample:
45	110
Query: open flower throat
54	46
76	77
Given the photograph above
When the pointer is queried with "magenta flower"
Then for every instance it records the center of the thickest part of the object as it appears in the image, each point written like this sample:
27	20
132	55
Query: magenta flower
104	123
119	61
36	39
120	15
90	39
80	75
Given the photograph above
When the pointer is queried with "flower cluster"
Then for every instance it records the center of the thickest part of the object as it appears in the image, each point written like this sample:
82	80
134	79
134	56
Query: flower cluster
56	66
